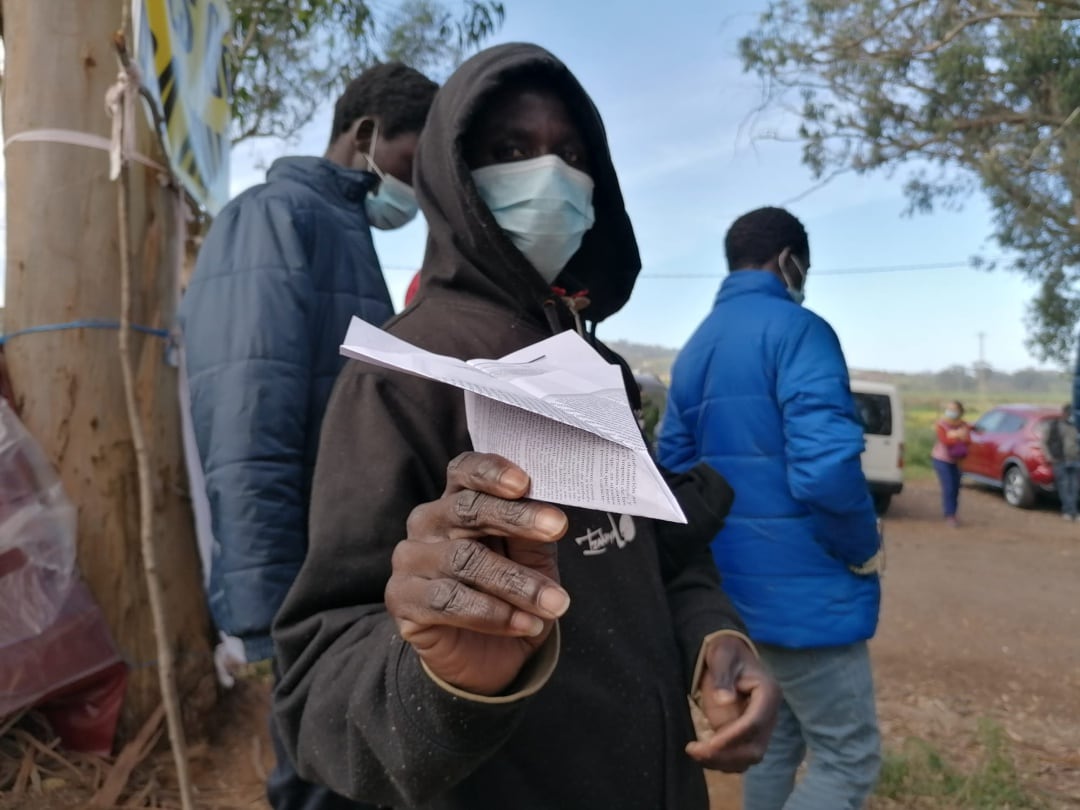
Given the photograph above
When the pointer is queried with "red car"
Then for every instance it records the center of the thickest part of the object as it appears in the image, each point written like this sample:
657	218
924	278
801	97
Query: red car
1006	452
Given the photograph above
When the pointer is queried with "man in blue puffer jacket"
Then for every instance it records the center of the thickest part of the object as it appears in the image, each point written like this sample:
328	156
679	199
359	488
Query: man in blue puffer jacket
283	269
761	393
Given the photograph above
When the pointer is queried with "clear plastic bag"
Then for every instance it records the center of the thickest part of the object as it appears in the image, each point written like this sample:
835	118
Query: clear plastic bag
56	652
37	535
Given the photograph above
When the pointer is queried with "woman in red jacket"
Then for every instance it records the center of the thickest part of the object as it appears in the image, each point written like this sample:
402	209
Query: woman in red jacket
953	439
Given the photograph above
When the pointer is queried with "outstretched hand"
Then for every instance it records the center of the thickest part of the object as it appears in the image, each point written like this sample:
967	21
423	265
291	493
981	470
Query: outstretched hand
475	585
740	700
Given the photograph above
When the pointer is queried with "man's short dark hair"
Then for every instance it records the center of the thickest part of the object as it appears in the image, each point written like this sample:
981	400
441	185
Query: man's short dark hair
399	95
755	239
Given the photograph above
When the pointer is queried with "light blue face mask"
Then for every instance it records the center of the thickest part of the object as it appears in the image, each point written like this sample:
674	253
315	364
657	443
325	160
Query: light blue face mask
543	205
393	204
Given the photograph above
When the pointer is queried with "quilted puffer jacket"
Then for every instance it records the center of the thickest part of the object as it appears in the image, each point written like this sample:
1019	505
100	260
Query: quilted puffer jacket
283	269
761	393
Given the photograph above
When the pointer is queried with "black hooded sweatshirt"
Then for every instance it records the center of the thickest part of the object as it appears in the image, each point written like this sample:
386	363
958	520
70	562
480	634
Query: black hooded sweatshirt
355	708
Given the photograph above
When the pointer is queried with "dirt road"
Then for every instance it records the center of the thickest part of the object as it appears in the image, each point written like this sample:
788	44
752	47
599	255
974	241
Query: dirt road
980	622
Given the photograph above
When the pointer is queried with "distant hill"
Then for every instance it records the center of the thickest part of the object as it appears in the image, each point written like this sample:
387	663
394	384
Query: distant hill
647	359
963	380
650	359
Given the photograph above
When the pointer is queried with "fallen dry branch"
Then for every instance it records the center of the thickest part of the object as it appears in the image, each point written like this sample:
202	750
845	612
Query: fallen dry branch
134	753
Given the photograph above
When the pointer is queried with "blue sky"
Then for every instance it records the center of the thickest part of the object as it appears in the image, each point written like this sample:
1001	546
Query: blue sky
678	110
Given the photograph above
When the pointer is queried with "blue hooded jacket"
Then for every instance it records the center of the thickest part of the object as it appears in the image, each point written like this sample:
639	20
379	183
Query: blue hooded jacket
283	269
761	393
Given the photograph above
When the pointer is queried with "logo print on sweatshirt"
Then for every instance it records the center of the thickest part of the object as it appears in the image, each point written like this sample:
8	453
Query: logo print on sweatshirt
620	535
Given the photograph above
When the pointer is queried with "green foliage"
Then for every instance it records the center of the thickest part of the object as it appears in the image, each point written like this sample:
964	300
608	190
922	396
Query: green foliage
918	771
291	56
919	438
973	94
650	417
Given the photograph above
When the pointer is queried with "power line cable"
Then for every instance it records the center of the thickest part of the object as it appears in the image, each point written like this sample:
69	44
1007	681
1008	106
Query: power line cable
844	271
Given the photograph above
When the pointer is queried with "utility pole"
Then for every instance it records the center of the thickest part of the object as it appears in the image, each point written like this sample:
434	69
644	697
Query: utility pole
63	262
982	370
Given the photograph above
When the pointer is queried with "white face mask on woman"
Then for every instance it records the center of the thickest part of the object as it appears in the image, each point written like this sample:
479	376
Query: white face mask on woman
543	205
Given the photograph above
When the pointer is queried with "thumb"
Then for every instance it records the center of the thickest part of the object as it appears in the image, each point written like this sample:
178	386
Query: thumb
724	667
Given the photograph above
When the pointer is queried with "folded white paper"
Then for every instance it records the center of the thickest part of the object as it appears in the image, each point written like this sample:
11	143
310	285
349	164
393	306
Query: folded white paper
557	409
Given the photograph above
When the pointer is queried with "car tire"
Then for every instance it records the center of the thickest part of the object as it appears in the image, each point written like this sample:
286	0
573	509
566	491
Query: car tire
1017	488
881	502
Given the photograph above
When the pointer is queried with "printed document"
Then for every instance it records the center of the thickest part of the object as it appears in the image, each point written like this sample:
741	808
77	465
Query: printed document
556	408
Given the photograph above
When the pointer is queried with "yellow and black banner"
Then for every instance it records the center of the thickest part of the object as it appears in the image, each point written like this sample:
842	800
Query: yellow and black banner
182	54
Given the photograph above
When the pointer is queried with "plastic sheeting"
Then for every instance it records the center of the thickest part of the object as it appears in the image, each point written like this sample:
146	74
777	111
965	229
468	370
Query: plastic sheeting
55	649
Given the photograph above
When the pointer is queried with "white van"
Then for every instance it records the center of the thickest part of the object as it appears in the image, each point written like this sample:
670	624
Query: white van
882	414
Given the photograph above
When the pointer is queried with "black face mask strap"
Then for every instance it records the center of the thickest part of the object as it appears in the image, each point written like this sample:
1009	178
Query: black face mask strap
552	314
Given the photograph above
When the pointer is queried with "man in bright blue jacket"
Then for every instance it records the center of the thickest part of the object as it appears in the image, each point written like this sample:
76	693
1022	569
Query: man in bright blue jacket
284	267
761	393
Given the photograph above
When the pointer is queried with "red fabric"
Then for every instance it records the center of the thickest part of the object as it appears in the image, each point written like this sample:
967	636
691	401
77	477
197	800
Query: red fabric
414	285
84	714
72	671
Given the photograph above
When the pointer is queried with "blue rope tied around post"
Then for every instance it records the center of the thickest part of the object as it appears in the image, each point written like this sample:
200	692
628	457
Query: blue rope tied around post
92	323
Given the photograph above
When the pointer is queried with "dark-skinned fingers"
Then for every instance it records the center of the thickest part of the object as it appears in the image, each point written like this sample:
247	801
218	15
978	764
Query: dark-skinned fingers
477	512
418	604
746	737
481	569
469	513
729	760
728	657
542	557
486	472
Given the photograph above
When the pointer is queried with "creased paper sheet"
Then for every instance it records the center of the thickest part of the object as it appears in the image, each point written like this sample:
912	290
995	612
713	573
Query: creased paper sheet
555	408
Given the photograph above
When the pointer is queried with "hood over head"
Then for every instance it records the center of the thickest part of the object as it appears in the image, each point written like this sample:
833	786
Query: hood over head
466	249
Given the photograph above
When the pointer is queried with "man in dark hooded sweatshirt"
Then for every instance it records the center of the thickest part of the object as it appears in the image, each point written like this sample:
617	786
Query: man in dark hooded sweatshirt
479	663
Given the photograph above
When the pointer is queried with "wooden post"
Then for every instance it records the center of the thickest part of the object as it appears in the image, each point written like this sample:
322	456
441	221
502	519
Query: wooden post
63	265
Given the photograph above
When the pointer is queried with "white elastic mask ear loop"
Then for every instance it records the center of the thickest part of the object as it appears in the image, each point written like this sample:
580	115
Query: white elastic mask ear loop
801	270
370	156
782	260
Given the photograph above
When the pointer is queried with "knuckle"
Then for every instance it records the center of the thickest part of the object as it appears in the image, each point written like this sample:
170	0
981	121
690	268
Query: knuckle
472	562
488	467
453	469
467	507
513	580
443	594
466	559
455	599
517	513
416	522
401	557
392	596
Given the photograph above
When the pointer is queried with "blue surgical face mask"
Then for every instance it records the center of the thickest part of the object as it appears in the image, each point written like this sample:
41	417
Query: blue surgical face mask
952	413
393	203
543	205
